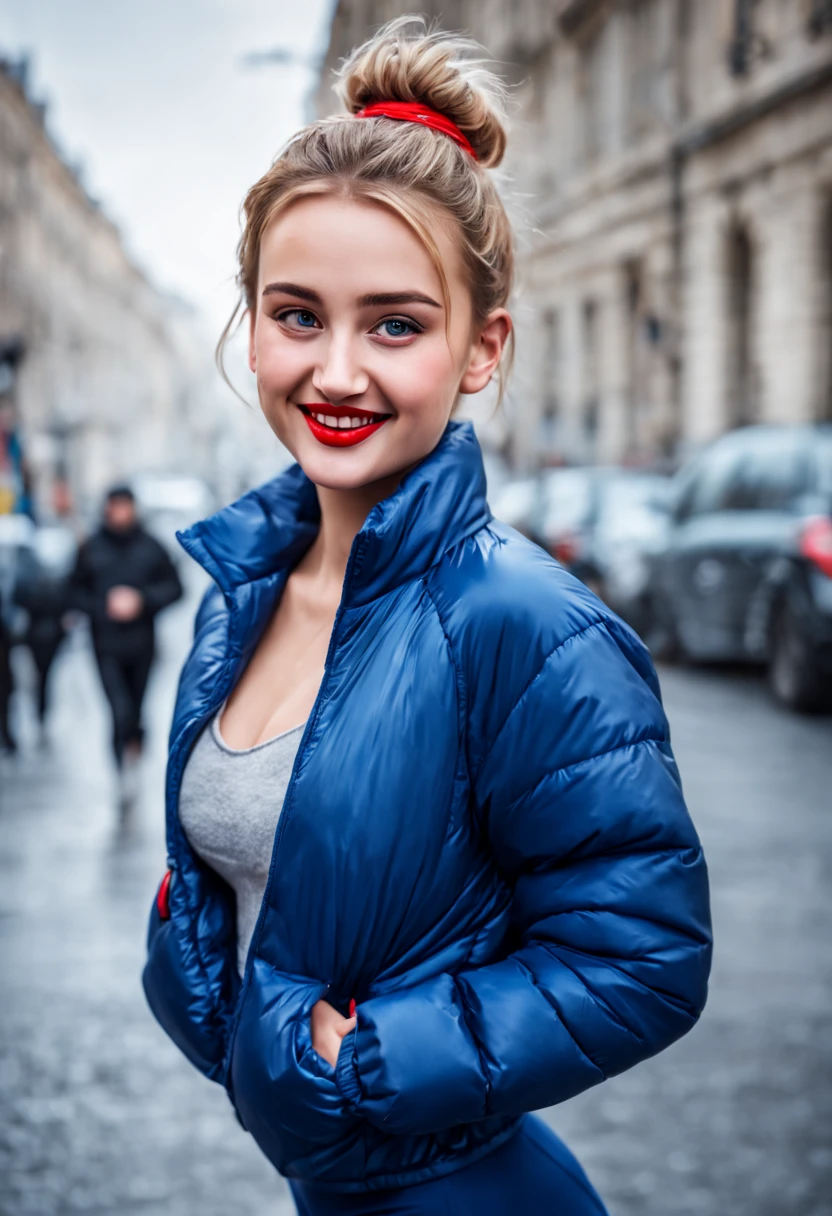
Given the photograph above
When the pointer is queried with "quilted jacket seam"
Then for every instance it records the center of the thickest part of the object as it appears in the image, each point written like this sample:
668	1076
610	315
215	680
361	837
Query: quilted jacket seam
538	673
677	1003
563	768
467	1018
462	687
552	948
550	1000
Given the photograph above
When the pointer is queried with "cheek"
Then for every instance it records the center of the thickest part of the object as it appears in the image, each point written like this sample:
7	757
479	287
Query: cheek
278	361
423	387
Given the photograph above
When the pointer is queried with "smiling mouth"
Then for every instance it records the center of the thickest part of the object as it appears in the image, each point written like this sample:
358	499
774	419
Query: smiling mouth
340	426
342	418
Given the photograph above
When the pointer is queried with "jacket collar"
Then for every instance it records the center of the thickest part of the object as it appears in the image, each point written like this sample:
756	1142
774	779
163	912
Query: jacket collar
438	504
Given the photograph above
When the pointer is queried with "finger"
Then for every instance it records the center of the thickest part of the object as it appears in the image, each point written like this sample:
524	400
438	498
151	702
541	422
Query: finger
346	1026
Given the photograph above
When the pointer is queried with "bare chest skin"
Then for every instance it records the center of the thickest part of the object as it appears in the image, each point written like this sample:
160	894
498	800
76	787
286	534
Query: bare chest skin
278	687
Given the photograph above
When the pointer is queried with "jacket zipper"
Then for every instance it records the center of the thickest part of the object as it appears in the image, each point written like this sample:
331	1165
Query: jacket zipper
285	812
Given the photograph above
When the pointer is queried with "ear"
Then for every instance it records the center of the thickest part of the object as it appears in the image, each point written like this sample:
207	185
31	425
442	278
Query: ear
486	351
252	357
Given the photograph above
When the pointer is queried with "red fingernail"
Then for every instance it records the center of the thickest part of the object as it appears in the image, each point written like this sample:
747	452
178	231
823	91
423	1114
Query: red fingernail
352	1008
163	897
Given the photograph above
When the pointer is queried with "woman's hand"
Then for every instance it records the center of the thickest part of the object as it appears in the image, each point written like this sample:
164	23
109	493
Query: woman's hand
328	1029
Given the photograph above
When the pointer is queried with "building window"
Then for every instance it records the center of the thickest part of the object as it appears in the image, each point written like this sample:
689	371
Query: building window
591	85
550	386
590	372
644	68
825	411
634	292
820	18
747	44
742	405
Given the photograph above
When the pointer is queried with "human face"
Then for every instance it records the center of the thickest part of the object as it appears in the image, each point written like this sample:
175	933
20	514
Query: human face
120	513
350	325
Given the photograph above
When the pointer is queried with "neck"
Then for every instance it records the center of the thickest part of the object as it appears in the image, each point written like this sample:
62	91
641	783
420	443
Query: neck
343	513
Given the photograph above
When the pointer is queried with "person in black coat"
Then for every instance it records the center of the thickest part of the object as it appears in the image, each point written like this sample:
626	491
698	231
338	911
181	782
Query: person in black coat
43	593
7	740
123	577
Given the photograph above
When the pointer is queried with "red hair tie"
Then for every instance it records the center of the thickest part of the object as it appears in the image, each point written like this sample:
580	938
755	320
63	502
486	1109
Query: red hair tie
411	111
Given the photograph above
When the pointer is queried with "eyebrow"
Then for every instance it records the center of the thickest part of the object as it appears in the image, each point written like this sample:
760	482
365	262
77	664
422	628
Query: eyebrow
383	298
373	300
292	289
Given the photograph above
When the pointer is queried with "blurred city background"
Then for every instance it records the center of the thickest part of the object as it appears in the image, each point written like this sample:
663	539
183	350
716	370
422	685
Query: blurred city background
667	435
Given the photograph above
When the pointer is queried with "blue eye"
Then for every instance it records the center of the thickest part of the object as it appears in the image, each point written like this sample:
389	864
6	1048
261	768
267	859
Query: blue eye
397	327
300	317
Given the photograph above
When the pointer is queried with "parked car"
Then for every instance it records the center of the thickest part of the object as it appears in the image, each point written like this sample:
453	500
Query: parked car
600	522
514	503
631	527
746	573
795	613
566	509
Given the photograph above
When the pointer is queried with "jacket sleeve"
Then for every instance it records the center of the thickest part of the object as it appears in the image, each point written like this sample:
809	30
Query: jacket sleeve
163	587
582	807
81	594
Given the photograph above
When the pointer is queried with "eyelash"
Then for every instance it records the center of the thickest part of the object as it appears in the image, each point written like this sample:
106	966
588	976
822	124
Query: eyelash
414	326
296	312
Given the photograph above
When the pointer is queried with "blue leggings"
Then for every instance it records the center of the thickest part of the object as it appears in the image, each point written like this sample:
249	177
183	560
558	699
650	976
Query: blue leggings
533	1172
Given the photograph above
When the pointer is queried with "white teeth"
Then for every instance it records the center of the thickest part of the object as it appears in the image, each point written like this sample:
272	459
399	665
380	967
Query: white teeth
344	422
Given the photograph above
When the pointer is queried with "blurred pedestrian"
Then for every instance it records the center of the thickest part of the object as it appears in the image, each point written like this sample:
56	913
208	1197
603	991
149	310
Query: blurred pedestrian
7	740
431	864
15	542
42	591
122	578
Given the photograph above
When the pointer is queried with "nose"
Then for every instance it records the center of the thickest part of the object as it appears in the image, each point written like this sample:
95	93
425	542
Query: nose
340	374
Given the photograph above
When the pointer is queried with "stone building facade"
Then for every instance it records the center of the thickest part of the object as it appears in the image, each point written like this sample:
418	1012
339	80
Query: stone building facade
670	175
112	379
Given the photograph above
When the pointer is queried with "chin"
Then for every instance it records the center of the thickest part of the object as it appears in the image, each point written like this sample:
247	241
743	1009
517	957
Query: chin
345	470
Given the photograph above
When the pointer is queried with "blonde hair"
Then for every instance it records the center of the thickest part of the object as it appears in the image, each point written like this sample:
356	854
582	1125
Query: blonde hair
414	170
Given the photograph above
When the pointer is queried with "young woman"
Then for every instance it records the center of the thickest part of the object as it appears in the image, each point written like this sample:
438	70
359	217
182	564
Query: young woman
430	865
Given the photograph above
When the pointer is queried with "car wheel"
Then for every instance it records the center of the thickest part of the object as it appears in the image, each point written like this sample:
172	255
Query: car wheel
791	673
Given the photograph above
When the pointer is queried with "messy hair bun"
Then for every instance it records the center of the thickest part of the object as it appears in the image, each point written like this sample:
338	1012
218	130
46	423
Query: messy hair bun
415	170
406	61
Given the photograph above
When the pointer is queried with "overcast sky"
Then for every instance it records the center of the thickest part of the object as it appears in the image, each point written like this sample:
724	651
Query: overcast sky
170	126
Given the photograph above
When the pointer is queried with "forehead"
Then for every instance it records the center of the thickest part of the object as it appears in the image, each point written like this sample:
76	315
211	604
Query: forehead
357	243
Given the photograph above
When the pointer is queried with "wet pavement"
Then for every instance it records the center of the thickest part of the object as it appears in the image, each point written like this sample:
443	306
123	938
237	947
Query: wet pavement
100	1114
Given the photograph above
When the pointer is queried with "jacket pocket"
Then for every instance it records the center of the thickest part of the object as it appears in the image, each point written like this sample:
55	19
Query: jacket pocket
188	995
285	1092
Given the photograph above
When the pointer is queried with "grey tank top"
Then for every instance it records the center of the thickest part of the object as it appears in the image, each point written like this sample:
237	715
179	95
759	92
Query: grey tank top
229	804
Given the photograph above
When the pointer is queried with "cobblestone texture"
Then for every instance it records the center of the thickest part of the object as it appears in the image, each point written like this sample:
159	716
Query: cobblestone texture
100	1114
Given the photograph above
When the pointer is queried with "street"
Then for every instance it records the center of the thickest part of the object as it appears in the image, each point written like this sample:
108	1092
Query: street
100	1114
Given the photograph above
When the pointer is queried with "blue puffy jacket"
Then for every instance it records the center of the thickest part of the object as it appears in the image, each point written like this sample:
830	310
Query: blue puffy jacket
483	843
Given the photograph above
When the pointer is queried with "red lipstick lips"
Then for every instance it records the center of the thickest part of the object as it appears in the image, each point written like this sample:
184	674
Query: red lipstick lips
341	437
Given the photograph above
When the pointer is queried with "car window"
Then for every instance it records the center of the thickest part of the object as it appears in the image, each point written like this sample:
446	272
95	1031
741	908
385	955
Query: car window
768	477
706	489
764	471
